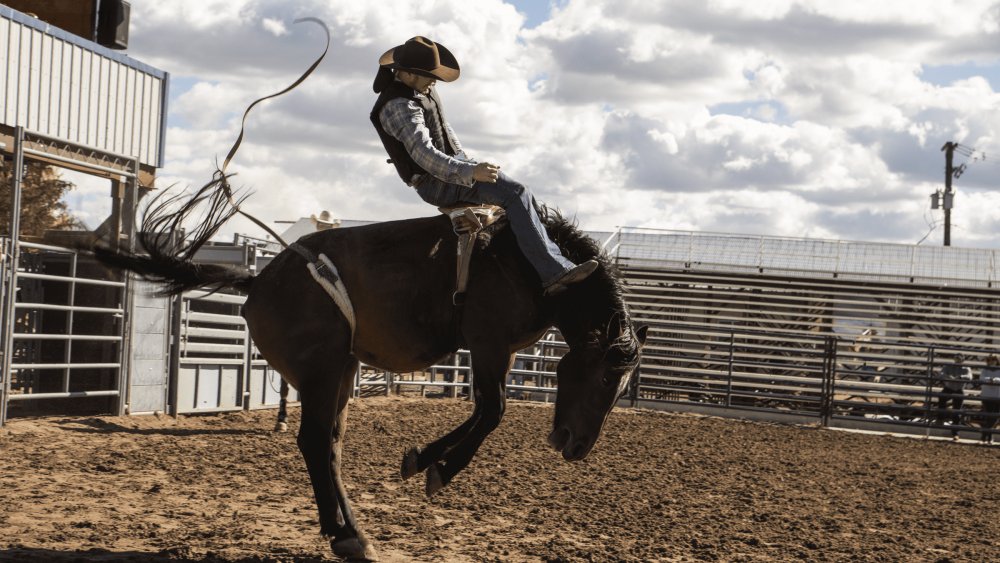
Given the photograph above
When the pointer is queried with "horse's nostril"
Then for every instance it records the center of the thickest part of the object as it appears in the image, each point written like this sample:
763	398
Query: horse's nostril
578	450
558	438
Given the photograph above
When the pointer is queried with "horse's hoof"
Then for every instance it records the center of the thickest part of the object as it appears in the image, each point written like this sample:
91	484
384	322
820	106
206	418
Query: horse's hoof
281	427
434	482
409	467
353	549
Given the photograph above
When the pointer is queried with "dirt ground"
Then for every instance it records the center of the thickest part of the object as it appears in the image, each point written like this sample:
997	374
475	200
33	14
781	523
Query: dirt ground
658	487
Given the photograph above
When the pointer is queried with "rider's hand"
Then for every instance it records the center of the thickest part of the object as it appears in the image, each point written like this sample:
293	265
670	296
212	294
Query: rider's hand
486	172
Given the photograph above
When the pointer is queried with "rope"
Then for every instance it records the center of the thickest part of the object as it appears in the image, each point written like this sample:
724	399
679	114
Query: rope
221	173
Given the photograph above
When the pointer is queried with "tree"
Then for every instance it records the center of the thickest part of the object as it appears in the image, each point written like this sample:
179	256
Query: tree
42	207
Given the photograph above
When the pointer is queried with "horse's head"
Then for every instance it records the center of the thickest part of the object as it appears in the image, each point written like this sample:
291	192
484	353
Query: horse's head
592	376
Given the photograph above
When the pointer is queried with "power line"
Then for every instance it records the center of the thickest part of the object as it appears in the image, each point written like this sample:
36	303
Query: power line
932	225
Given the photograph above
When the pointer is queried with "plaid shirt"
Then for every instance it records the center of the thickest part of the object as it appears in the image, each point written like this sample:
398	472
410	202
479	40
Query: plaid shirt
404	120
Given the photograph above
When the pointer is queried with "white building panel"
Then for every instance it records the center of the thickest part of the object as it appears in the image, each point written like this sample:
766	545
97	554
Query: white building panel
63	86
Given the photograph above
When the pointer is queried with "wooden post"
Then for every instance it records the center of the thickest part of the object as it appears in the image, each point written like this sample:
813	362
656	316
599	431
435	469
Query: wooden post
949	153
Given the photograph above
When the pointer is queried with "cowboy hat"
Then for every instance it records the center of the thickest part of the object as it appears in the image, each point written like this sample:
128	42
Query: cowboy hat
422	56
324	221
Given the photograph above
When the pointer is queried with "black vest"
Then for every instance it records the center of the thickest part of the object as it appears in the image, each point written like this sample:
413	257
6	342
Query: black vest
433	118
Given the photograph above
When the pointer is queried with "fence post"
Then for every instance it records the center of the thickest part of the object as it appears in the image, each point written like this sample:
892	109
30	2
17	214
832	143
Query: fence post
634	384
13	257
174	368
927	391
829	385
4	374
453	391
729	377
248	368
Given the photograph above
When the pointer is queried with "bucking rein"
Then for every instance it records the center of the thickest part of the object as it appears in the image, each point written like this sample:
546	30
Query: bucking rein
468	221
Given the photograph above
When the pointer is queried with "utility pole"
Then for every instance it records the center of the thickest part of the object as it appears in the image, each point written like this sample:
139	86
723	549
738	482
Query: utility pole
949	195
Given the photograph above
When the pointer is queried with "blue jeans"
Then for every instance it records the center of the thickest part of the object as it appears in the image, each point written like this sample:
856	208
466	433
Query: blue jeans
517	201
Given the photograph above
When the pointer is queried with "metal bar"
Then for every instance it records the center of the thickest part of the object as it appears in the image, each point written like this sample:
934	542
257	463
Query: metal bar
42	137
215	297
420	382
211	361
215	318
87	337
13	259
104	365
39	246
49	307
74	162
927	390
247	371
69	321
201	332
70	395
4	289
34	276
176	322
213	348
729	375
185	311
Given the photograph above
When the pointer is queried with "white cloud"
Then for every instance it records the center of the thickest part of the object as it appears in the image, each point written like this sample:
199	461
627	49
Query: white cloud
274	26
782	117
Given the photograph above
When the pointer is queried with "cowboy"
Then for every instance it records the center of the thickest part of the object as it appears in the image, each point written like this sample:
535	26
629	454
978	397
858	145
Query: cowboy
428	157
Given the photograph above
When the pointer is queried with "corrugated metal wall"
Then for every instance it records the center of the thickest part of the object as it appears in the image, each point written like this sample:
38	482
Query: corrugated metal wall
57	84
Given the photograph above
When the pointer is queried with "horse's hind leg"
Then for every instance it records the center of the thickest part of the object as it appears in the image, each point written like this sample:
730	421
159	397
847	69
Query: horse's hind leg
282	424
358	543
324	399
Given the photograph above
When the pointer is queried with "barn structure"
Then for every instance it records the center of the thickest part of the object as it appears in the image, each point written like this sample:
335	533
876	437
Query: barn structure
70	329
839	333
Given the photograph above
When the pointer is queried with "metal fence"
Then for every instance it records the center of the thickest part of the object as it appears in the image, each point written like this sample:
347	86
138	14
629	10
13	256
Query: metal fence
822	379
215	365
65	328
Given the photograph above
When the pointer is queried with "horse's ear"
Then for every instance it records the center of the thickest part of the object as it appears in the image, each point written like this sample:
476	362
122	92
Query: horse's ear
640	333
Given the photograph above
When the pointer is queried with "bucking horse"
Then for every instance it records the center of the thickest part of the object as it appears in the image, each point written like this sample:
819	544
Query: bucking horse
400	277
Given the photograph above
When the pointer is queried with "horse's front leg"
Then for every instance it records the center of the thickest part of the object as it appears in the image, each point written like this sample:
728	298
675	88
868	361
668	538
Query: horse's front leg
490	371
416	460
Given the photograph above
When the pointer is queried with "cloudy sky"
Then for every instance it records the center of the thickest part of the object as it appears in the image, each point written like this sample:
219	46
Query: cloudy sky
799	118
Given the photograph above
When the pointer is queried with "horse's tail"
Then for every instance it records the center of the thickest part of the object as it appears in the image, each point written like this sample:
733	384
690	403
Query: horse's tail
166	257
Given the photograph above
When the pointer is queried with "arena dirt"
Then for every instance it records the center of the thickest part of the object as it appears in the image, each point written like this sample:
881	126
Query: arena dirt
658	487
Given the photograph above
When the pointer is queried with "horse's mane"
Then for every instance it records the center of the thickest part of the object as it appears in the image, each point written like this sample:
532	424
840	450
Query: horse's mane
600	298
604	285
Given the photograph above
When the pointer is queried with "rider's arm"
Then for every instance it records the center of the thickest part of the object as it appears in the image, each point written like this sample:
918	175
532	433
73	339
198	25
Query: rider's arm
458	146
404	120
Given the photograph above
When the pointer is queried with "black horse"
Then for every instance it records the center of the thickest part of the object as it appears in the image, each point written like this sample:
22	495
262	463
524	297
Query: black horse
400	276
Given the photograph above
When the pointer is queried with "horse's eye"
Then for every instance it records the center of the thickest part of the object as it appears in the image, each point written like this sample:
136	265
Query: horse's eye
606	381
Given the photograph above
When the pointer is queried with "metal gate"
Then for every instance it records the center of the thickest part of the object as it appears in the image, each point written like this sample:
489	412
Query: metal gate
64	325
697	368
215	366
65	318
